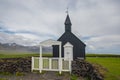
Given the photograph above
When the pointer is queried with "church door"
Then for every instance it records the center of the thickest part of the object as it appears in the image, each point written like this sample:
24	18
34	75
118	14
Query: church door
68	51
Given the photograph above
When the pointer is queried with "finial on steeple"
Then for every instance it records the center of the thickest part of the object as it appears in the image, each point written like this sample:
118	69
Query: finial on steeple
67	10
67	23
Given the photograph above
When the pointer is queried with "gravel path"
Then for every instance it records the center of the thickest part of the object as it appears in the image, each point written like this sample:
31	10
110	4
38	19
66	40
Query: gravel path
37	76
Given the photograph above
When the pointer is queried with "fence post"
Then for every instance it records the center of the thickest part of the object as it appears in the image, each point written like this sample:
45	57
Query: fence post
32	64
50	66
60	59
70	66
40	64
40	60
60	65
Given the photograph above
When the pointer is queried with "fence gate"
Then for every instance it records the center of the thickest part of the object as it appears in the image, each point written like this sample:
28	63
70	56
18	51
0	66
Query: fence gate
51	64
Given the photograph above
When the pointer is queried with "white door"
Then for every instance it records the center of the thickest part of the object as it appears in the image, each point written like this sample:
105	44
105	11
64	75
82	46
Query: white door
68	54
68	51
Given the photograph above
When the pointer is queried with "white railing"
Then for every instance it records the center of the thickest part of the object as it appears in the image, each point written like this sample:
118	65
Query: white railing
51	64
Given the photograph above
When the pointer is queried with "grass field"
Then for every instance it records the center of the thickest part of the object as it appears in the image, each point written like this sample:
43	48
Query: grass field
6	54
111	64
102	55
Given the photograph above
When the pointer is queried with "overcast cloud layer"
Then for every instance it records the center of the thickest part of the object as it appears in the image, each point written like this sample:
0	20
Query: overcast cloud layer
95	22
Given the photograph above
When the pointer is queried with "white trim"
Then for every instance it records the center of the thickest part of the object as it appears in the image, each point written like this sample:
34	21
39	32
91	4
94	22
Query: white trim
68	44
35	69
50	42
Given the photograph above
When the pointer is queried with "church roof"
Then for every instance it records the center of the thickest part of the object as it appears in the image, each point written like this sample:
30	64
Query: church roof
67	21
69	36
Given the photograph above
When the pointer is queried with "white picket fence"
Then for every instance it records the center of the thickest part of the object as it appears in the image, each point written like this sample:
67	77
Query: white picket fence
51	64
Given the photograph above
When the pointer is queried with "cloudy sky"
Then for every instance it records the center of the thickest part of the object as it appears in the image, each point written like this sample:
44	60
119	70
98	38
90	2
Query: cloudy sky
95	22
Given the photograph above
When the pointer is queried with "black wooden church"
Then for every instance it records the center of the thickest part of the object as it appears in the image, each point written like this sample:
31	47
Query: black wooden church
68	36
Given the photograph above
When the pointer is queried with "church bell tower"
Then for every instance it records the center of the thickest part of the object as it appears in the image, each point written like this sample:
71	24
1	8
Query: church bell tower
67	24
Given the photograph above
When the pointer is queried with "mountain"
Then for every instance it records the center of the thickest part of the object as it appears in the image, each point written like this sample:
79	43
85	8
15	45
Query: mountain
18	48
21	48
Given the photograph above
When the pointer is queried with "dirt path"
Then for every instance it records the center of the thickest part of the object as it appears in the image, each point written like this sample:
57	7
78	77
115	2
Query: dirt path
37	76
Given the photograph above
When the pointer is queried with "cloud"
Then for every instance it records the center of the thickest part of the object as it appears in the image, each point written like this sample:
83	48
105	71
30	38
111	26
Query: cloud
96	17
10	38
95	22
108	44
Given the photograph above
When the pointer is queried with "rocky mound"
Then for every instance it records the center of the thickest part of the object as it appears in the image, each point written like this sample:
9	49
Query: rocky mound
84	69
13	65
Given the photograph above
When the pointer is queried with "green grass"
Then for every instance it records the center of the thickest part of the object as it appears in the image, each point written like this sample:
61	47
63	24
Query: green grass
19	74
73	77
6	54
3	79
102	55
112	65
18	55
36	63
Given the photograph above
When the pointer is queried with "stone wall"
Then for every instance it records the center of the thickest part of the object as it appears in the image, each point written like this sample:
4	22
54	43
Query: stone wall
80	68
13	65
84	69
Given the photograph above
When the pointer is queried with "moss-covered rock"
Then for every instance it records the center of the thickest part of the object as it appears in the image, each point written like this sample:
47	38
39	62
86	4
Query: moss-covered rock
84	69
14	65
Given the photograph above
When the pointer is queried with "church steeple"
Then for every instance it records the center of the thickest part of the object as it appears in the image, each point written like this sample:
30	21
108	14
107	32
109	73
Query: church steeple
67	24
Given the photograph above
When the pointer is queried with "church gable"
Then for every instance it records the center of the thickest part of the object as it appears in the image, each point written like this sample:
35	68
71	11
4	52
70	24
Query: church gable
69	36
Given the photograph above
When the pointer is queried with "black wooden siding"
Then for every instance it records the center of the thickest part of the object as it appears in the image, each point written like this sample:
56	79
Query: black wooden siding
68	36
78	45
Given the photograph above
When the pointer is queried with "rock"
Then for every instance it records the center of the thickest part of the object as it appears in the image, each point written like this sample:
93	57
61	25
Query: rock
13	65
82	68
